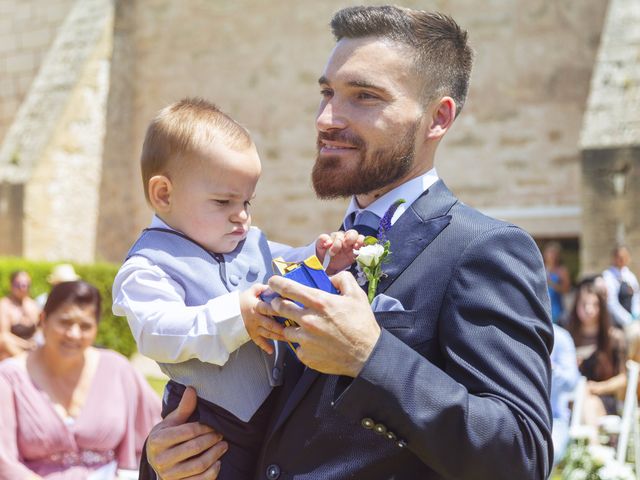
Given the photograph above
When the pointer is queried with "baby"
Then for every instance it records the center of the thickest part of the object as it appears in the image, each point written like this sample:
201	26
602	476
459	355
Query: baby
191	282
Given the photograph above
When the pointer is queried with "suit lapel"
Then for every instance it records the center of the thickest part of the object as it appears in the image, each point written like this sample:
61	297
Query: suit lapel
418	226
306	380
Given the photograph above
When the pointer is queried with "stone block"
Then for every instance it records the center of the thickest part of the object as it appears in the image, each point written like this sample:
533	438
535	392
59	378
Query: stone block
20	63
23	83
8	43
11	212
34	39
7	87
6	7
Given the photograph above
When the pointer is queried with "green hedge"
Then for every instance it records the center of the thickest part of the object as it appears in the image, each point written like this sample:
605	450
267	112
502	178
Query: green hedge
114	331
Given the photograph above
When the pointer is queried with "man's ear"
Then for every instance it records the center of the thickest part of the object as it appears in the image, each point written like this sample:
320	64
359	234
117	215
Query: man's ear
160	188
443	114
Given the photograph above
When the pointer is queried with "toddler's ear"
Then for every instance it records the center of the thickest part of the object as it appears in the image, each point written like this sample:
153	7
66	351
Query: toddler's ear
160	193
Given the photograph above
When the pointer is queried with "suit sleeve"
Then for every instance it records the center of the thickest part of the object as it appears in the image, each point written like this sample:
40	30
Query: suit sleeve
485	413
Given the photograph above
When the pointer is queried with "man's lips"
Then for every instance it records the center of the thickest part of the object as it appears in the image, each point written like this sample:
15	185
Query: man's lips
333	147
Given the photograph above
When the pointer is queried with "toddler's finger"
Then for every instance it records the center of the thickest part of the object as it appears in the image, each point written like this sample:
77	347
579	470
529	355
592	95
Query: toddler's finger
264	344
337	246
324	241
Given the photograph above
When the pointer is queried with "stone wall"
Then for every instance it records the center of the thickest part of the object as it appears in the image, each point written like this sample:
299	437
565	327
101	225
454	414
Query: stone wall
27	28
612	216
611	141
11	208
52	151
513	152
61	211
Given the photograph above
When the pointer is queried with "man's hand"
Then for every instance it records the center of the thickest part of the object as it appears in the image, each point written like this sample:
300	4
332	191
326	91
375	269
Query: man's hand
260	327
339	246
336	333
177	450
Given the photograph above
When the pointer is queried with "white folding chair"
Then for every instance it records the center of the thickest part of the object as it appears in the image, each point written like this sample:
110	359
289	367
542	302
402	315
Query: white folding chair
576	428
629	423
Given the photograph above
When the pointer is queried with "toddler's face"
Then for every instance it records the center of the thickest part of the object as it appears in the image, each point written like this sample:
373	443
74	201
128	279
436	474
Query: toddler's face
210	198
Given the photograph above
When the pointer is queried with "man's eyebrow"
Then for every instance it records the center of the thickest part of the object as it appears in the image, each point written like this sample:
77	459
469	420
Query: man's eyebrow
355	83
365	84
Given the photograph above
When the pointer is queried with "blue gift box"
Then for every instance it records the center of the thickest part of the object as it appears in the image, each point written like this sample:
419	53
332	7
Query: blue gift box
308	272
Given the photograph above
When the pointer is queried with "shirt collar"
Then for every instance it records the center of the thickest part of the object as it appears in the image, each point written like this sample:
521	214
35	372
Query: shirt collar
409	191
157	222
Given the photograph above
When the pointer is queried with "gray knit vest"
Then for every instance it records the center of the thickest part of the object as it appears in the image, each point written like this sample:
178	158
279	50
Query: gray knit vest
243	383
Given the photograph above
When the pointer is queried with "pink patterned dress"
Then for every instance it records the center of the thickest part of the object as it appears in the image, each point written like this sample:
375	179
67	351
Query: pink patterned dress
118	413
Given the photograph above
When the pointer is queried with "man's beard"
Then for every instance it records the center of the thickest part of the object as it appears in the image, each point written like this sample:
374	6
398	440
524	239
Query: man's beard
335	177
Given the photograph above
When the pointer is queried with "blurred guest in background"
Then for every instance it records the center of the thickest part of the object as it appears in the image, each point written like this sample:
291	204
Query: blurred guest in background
63	272
623	292
564	377
69	410
601	352
18	317
558	281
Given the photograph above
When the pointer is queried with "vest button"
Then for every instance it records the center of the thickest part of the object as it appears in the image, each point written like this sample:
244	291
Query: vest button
254	269
273	472
234	279
275	373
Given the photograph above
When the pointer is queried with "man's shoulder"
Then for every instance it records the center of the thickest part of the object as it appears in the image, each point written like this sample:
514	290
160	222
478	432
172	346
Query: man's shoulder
472	222
463	217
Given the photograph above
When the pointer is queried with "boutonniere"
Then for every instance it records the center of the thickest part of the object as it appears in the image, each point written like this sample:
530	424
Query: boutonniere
375	252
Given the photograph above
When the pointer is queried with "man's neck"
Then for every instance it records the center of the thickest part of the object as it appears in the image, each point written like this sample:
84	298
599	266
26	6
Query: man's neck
366	199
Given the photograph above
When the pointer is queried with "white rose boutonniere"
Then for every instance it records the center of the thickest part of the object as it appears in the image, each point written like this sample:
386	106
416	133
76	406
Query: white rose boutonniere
375	252
370	258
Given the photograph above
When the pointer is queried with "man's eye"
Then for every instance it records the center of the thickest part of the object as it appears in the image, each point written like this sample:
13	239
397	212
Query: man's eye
222	202
326	92
366	96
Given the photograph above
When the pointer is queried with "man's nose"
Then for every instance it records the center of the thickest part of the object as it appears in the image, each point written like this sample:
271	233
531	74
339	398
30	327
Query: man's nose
330	116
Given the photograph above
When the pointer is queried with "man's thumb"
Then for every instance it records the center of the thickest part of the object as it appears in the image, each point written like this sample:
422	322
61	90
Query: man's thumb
344	282
186	407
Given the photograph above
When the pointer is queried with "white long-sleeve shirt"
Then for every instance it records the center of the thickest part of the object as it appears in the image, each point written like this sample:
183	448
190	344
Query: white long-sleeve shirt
167	330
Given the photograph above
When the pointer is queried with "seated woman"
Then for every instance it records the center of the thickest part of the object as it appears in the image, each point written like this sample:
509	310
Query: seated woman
601	352
70	410
18	317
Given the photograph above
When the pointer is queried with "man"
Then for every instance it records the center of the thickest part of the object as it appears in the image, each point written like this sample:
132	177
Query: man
623	290
452	381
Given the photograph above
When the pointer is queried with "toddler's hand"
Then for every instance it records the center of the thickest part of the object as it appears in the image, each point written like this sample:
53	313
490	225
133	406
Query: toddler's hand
339	246
260	327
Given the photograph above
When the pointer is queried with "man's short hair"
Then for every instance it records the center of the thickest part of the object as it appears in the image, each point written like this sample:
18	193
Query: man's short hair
443	59
181	130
